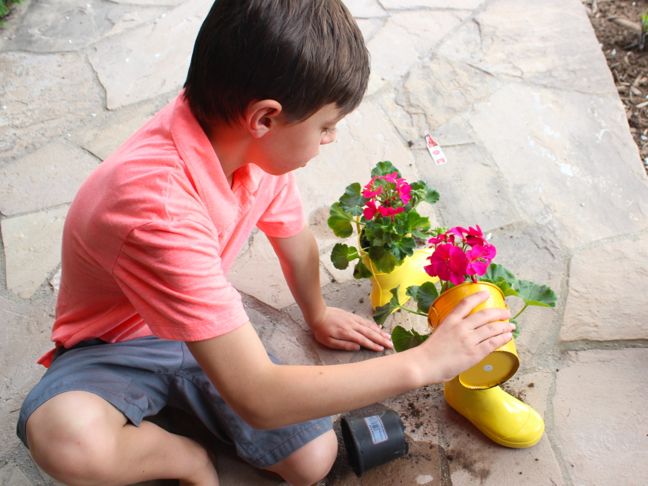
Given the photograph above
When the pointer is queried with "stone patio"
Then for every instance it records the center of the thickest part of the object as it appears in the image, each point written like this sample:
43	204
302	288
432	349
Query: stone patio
540	155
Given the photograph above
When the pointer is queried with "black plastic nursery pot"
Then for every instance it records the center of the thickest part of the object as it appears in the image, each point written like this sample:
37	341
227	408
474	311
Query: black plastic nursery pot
373	440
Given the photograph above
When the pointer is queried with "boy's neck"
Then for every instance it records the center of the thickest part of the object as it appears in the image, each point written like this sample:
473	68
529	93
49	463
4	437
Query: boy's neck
231	146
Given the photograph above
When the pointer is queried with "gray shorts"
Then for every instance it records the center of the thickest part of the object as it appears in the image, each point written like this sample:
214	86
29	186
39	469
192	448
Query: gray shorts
144	375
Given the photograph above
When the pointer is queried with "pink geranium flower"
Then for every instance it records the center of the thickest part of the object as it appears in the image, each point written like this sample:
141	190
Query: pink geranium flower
449	263
460	253
479	257
387	195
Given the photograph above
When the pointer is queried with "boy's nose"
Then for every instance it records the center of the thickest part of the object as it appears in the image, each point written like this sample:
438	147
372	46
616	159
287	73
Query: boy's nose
329	137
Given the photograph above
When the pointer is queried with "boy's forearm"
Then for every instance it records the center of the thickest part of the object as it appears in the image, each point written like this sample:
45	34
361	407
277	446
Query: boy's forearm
299	258
269	395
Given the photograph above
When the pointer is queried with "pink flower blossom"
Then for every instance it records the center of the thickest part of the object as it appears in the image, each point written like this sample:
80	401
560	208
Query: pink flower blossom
369	210
474	236
460	253
371	190
449	263
405	192
386	211
387	195
479	257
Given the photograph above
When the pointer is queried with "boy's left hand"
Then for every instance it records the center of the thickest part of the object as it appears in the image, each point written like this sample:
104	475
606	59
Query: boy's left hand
338	329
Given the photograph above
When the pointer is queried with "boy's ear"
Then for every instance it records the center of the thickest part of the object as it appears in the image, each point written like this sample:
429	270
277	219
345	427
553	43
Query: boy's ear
262	116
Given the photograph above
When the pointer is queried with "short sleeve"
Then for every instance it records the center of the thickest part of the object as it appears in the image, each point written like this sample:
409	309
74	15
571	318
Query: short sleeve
171	273
284	216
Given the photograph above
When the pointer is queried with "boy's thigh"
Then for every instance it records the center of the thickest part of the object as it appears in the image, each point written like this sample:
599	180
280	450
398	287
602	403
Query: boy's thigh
132	376
193	393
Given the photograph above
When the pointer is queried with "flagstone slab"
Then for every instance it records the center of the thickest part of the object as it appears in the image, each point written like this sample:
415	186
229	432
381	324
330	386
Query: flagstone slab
170	3
600	279
535	43
257	272
475	459
142	63
365	9
48	177
600	416
420	466
555	158
471	186
440	4
70	25
24	337
39	98
13	476
419	412
403	41
105	136
442	89
32	246
283	337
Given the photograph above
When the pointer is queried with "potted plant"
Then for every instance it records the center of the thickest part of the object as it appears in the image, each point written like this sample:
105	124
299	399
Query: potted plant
390	233
461	260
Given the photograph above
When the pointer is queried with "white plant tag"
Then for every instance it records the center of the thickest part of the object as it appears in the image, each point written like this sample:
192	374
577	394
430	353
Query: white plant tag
435	150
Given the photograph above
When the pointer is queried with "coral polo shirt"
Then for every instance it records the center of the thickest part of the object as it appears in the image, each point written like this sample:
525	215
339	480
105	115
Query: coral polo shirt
152	232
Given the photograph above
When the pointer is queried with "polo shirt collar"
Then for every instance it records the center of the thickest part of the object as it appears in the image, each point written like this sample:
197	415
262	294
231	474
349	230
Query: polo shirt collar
201	160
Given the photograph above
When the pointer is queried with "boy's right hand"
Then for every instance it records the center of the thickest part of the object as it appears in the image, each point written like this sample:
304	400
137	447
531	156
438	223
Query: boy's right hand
462	339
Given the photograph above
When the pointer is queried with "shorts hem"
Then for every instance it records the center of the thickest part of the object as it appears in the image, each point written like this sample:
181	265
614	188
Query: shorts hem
132	413
307	432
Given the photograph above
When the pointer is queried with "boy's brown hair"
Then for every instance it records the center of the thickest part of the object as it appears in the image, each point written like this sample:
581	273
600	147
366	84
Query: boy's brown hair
302	53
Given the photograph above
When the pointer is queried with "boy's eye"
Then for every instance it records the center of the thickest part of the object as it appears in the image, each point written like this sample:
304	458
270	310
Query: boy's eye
329	129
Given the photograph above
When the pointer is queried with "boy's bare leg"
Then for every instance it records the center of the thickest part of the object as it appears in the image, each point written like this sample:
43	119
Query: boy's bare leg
309	464
79	438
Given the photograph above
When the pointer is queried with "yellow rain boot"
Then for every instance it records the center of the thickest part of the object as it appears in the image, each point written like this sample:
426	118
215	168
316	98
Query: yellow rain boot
499	416
408	273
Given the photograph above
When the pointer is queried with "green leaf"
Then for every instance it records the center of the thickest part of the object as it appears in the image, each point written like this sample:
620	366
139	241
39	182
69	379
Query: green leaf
404	339
403	248
383	259
498	272
415	220
340	221
424	295
535	294
342	254
384	167
381	313
361	271
502	277
422	192
352	200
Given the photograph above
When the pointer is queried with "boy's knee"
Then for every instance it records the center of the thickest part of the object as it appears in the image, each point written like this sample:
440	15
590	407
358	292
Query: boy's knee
311	463
71	442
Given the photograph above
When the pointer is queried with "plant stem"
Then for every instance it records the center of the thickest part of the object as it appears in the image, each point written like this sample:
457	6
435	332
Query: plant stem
412	311
521	311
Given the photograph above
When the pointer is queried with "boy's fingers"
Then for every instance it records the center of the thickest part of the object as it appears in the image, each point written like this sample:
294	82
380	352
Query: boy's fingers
486	332
365	342
372	325
467	304
343	344
375	336
488	316
491	344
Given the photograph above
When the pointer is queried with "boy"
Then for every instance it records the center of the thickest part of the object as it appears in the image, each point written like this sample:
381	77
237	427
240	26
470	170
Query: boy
145	315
